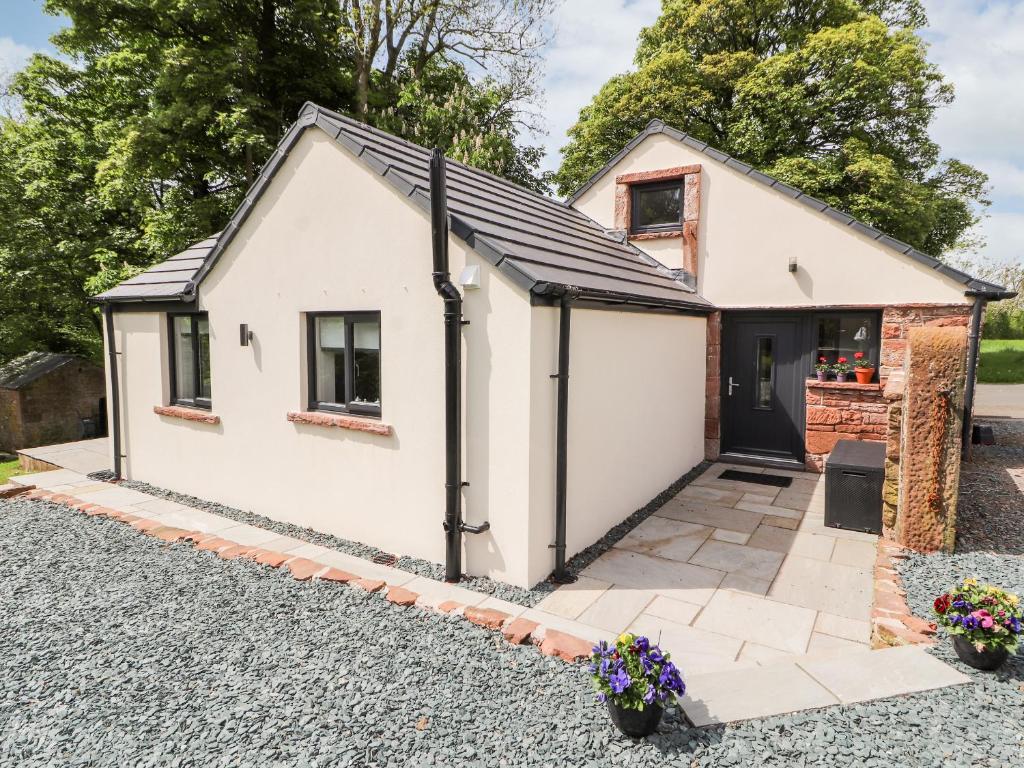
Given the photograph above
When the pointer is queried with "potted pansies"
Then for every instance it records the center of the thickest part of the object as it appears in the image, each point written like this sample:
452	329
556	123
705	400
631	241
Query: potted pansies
841	368
985	622
634	679
863	368
822	368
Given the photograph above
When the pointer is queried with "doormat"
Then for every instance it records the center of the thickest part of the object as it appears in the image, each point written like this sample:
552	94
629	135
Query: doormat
753	477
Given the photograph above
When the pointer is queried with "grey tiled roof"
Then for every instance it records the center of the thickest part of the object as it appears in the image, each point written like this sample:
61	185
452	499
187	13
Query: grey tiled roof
23	370
657	126
541	244
168	279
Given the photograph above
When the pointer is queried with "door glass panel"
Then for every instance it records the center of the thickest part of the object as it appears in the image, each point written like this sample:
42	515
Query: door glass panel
765	376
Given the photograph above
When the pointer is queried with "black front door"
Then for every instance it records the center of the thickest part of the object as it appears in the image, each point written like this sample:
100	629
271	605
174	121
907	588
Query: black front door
763	386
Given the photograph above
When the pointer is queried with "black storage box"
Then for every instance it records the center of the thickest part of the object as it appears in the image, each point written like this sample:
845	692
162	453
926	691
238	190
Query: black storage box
854	474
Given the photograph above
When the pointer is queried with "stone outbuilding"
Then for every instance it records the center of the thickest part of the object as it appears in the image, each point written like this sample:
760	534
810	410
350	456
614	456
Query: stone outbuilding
50	398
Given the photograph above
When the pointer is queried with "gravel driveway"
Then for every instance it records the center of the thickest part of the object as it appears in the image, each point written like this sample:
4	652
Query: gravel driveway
121	650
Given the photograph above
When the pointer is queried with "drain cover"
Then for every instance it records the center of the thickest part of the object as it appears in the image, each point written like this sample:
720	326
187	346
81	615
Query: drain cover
385	559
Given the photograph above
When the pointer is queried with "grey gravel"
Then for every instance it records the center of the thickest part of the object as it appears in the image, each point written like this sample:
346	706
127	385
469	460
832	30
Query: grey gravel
121	650
425	568
991	506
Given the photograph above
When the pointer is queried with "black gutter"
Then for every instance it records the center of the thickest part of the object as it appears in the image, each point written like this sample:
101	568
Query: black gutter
115	396
981	300
561	575
453	322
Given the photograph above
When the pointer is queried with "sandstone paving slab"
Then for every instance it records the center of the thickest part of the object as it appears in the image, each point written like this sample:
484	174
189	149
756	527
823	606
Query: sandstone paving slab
733	537
249	535
814	522
675	611
739	582
859	554
722	496
852	678
710	515
497	604
283	544
735	558
681	581
769	509
616	608
191	519
743	694
758	620
837	589
50	479
696	651
569	626
738	486
114	496
311	551
762	655
828	645
161	506
664	537
570	600
793	543
842	627
434	592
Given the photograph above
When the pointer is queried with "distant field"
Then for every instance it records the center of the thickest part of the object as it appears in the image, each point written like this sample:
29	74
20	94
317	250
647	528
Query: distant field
1001	362
8	468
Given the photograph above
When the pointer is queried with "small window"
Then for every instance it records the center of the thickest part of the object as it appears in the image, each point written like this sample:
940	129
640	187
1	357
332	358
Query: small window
657	207
190	360
844	335
344	362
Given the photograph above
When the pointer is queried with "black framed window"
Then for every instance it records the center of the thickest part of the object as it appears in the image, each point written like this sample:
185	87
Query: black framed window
657	207
190	360
344	361
843	334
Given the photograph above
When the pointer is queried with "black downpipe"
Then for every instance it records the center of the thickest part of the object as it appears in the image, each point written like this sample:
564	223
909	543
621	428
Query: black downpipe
115	396
561	575
453	322
973	342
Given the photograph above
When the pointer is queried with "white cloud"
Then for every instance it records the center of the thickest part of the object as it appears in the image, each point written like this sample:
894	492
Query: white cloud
13	56
594	39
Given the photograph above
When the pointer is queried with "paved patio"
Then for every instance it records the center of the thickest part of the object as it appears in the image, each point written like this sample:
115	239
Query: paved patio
82	456
733	575
763	607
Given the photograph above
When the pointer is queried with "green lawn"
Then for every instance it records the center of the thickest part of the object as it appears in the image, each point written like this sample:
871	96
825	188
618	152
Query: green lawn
1002	362
8	468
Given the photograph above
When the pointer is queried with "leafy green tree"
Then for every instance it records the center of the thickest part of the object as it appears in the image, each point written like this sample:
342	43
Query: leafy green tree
832	96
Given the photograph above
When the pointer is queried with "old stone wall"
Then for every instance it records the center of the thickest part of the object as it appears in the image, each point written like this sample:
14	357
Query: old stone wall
893	393
53	406
929	460
10	419
837	412
896	325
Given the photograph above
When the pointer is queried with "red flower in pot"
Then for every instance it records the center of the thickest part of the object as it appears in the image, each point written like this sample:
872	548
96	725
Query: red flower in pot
863	368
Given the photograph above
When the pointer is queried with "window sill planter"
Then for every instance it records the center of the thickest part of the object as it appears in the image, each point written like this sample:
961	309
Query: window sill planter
341	420
635	723
187	414
864	375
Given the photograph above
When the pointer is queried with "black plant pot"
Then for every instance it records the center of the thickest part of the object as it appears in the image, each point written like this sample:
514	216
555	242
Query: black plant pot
636	723
987	660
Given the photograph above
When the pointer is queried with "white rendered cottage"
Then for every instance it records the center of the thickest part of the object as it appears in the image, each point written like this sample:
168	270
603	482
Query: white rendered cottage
294	364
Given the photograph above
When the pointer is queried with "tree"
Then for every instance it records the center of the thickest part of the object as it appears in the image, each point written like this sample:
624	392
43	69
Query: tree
832	96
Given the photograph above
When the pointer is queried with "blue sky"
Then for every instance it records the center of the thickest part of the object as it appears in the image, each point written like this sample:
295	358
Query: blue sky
978	44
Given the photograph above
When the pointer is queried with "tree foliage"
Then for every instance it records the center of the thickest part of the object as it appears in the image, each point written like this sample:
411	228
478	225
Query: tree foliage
143	133
832	96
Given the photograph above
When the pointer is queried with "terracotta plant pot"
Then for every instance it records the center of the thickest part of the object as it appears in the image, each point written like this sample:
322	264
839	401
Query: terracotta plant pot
987	660
636	723
840	378
864	375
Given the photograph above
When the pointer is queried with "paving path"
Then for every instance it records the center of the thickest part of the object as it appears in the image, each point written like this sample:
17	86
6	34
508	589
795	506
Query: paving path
1000	400
758	685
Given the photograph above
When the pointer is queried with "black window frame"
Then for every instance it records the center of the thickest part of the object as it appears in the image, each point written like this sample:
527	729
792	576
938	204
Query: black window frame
875	348
656	186
349	407
201	403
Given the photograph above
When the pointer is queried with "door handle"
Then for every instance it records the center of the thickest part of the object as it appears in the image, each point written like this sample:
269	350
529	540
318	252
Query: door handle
731	385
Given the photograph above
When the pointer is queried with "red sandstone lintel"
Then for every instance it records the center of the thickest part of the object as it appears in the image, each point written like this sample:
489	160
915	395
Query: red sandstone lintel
188	414
664	174
342	420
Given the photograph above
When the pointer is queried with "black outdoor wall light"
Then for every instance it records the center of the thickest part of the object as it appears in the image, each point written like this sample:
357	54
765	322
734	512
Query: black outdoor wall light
244	334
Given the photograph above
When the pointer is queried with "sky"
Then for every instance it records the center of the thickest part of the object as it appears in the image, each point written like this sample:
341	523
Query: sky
978	45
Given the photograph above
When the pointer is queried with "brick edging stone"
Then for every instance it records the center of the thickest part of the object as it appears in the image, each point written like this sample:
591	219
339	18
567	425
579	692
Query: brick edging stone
515	630
892	621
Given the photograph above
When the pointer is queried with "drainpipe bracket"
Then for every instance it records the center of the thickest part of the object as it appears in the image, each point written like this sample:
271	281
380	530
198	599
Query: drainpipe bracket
482	528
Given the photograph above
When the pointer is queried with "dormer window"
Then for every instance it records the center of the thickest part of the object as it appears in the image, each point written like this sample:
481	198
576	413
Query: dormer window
657	207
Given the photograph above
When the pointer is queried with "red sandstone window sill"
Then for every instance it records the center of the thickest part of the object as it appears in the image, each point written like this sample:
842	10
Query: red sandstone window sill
187	414
872	387
656	235
341	420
